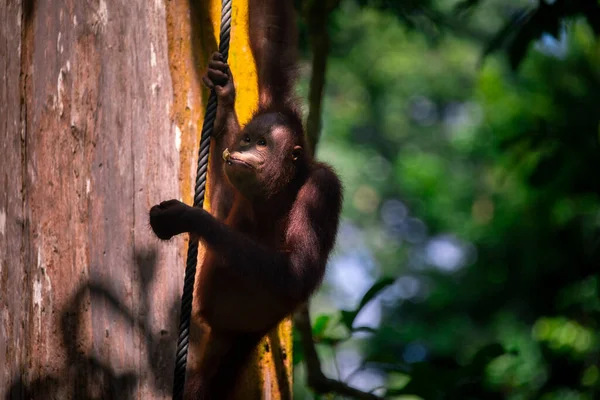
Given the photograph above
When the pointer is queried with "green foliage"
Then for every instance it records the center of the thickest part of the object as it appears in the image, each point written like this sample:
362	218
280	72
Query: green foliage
476	187
530	23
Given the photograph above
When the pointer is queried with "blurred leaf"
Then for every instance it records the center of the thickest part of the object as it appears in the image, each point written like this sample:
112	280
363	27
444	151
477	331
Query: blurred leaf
529	30
524	27
349	316
485	355
518	19
374	291
320	325
424	382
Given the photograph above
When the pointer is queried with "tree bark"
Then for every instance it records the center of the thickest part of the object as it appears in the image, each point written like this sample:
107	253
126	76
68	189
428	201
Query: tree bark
100	110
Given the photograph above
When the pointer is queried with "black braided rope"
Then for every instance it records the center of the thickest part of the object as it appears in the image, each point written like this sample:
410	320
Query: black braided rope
199	190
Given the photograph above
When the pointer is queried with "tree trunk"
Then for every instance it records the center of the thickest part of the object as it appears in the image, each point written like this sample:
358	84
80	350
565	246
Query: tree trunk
100	110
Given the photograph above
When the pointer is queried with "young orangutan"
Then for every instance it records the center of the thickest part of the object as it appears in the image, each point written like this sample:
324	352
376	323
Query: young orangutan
276	210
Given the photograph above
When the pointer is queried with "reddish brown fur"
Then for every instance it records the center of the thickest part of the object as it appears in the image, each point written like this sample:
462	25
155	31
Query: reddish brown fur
276	215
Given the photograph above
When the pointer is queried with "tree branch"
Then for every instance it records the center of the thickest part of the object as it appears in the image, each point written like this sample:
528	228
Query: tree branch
317	381
316	13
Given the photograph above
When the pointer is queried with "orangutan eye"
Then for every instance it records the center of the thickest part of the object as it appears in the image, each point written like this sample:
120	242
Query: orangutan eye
261	142
247	138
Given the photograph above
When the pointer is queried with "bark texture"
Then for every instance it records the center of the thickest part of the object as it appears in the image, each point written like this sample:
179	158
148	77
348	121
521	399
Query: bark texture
100	109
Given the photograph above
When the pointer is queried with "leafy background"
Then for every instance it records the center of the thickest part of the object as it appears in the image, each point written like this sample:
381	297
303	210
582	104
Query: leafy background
467	136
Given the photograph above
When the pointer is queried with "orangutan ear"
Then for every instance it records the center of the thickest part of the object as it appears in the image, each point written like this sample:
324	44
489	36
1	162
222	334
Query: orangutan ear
297	152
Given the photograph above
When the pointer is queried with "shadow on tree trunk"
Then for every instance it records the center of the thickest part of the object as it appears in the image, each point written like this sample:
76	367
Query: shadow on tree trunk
85	376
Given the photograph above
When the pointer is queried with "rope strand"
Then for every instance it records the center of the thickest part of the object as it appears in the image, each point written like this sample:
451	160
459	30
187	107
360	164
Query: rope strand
199	191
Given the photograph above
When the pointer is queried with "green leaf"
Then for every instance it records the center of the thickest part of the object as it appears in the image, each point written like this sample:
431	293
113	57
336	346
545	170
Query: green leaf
374	291
518	19
320	325
423	386
349	316
538	21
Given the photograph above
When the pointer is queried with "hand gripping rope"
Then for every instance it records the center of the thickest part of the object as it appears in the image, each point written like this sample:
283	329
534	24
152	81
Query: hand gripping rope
192	254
